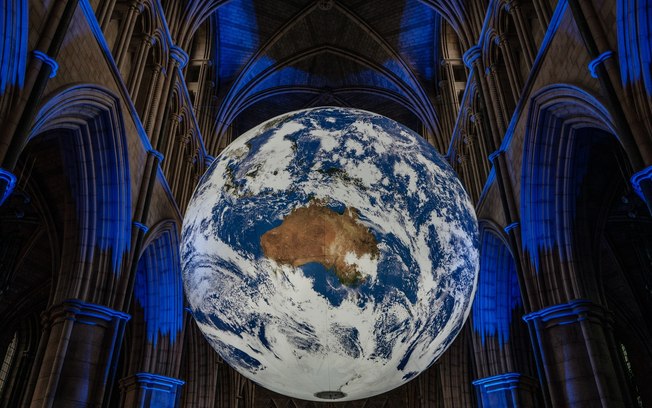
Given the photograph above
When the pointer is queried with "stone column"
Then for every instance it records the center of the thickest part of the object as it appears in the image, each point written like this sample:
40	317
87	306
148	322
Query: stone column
151	100
542	8
150	390
175	120
79	358
104	13
473	60
40	69
463	172
185	182
448	107
476	120
125	32
177	164
512	72
470	142
178	60
139	67
524	35
580	366
508	390
455	374
496	99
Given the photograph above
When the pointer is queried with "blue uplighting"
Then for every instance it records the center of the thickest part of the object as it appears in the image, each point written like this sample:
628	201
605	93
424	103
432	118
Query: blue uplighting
97	165
54	66
158	288
597	61
507	380
418	26
635	42
13	43
564	313
541	199
9	181
159	379
637	180
498	293
141	226
238	33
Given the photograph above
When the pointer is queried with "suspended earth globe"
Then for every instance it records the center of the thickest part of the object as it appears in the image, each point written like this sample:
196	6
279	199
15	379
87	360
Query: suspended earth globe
330	254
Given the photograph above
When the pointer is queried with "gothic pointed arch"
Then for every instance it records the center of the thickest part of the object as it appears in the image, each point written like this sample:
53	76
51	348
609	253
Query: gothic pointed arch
501	345
84	124
560	118
355	46
574	181
156	335
498	304
158	301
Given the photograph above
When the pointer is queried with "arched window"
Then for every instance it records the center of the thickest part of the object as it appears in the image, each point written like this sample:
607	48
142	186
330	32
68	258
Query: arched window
7	362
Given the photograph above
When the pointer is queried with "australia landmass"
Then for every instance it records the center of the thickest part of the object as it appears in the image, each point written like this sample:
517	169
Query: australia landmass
316	233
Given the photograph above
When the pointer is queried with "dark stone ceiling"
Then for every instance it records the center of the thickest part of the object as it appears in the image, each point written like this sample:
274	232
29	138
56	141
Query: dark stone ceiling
277	56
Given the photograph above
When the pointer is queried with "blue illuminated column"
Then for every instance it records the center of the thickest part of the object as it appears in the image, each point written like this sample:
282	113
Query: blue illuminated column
80	354
150	390
506	390
573	343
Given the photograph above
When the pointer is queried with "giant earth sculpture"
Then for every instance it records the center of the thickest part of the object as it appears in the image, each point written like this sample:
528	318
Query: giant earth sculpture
330	253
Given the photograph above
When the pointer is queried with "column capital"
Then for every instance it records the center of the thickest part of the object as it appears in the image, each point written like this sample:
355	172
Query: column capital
506	390
493	156
138	6
184	139
490	70
150	387
149	40
502	381
158	155
54	67
7	184
568	313
500	40
593	65
85	313
151	381
511	5
511	226
471	55
638	179
141	226
158	67
179	55
176	117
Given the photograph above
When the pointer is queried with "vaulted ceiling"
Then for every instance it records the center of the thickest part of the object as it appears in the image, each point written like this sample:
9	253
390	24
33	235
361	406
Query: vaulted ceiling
271	57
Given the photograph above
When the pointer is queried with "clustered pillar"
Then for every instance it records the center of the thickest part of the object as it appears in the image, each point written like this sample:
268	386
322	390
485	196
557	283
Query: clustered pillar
150	390
80	341
579	365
